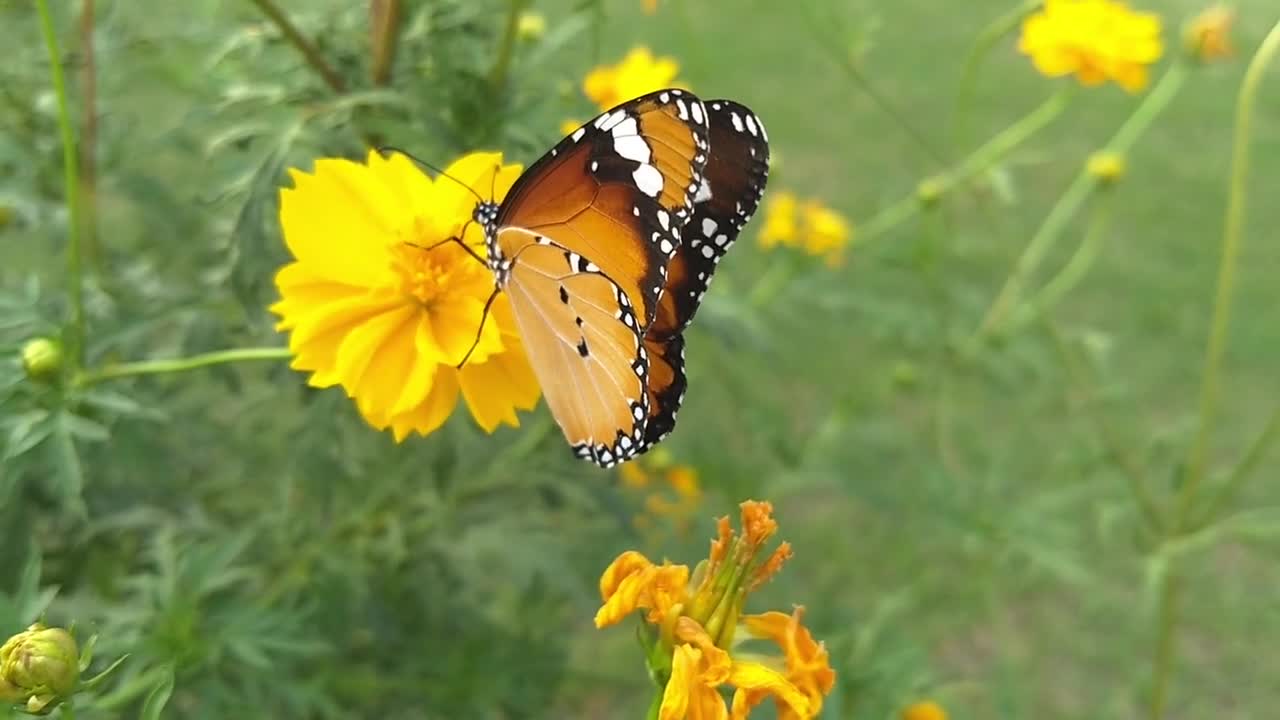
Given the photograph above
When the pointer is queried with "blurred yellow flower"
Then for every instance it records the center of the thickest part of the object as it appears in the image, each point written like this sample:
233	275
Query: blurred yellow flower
810	226
568	126
650	6
638	73
694	623
1095	40
1207	36
1106	167
376	301
826	232
670	490
781	225
924	710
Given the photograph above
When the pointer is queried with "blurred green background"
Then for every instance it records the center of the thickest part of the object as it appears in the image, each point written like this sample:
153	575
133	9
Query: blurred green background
962	531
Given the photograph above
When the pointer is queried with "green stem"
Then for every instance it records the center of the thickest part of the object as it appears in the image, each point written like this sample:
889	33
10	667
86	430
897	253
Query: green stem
158	367
986	40
1071	274
71	185
978	161
1254	455
1073	198
655	706
502	66
309	51
1166	641
1197	460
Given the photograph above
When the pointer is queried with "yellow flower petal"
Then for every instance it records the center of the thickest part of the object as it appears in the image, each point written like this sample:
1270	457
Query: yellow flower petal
379	302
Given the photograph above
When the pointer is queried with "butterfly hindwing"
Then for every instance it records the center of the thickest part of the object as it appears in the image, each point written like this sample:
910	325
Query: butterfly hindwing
736	174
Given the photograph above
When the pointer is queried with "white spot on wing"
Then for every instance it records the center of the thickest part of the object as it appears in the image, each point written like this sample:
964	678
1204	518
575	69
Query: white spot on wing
632	147
664	219
751	124
697	112
703	193
737	121
577	134
708	227
648	179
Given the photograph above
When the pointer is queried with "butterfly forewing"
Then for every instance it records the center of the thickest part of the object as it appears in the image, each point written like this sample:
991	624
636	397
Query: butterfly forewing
618	190
736	174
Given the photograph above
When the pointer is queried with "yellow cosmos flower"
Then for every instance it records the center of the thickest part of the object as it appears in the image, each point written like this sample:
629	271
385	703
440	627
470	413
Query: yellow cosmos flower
694	622
670	490
924	710
1208	36
638	73
810	226
376	302
1095	40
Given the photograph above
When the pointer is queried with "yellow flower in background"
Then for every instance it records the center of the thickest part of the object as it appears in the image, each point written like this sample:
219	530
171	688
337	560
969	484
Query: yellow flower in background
1207	36
781	222
671	491
924	710
637	74
1095	40
568	126
826	232
650	6
377	303
810	226
693	622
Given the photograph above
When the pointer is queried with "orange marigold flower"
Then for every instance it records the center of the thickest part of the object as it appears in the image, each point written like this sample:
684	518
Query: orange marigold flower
694	624
639	73
377	303
1095	40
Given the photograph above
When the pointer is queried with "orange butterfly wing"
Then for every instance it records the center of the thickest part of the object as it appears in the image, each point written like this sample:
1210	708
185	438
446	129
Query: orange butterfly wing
581	246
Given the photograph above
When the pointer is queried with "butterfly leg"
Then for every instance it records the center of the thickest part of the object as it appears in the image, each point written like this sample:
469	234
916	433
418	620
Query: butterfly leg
483	316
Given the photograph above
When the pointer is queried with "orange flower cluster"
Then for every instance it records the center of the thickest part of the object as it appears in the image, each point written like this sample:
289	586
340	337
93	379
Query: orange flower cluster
695	620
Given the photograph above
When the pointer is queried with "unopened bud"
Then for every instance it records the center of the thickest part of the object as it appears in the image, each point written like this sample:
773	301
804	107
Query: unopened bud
929	191
1106	167
531	26
40	665
42	359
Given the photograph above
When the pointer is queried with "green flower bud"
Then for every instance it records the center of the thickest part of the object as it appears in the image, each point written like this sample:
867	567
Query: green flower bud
930	190
42	359
40	665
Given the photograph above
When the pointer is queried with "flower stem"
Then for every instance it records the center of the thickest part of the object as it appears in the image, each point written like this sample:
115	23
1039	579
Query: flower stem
1256	452
89	134
1071	274
507	46
976	162
1197	462
1073	198
1197	459
384	20
158	367
309	51
986	40
71	185
655	706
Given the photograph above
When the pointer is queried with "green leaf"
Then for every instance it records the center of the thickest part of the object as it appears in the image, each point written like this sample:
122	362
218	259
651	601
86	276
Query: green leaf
159	697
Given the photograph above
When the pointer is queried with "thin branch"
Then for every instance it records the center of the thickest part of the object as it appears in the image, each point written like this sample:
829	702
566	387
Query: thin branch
304	46
384	26
89	133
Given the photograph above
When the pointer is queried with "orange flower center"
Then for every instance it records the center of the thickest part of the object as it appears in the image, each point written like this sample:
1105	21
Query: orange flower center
418	273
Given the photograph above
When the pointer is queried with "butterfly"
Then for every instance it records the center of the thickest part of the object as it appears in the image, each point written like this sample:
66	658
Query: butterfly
605	247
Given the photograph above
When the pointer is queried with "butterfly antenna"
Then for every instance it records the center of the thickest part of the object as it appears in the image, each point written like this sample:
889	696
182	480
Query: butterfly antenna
483	316
383	150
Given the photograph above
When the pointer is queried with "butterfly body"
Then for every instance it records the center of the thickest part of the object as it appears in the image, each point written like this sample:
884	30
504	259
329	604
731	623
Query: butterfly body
590	247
